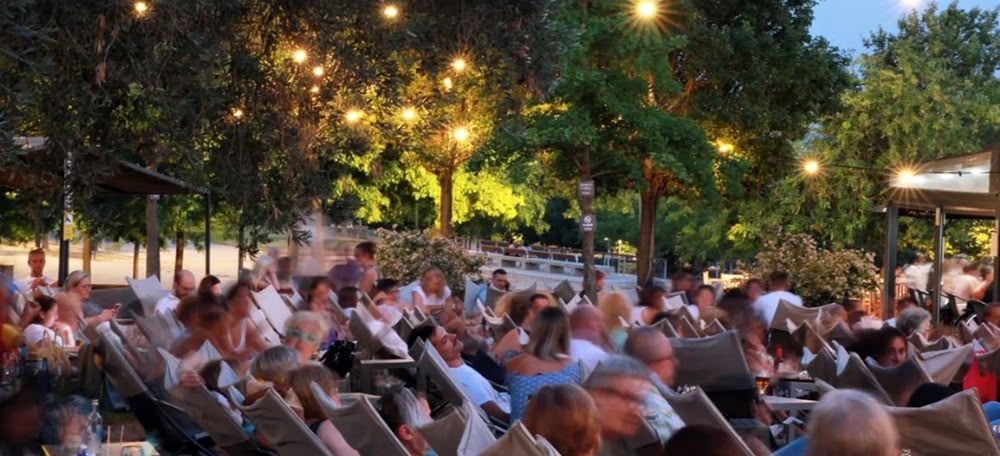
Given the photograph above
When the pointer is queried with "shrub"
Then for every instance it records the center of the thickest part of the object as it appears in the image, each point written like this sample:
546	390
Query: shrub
403	255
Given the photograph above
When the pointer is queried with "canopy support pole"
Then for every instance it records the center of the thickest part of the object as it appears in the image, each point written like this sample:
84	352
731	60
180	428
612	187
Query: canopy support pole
889	262
208	232
935	286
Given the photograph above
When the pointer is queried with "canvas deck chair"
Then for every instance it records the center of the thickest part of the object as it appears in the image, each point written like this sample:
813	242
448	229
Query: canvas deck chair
854	374
955	426
160	329
282	427
471	294
806	334
149	291
918	340
713	328
687	328
406	293
372	345
713	363
458	433
518	440
360	424
900	381
666	328
946	366
432	370
823	367
675	301
274	307
838	333
263	326
492	296
695	408
678	295
797	314
987	335
565	291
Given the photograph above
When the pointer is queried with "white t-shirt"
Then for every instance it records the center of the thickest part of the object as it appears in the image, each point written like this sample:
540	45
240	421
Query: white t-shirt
916	275
24	285
167	303
962	286
35	333
766	306
433	300
586	352
478	388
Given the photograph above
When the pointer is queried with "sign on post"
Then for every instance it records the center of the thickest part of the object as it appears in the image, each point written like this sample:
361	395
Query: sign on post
587	223
585	189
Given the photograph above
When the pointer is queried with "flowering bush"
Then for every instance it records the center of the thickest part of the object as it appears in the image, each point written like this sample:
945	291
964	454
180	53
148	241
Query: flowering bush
820	276
403	255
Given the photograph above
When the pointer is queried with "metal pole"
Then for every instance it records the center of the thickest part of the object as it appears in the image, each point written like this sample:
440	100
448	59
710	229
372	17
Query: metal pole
66	228
891	241
208	232
939	221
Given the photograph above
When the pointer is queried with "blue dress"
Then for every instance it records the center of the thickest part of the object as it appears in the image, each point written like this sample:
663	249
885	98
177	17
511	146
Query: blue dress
522	387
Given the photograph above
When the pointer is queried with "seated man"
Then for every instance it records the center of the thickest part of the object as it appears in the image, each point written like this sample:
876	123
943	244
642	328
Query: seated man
590	341
475	386
652	348
404	413
183	286
37	278
619	386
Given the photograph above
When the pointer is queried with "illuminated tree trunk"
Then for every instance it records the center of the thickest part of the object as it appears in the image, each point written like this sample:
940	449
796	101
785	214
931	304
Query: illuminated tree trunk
86	252
446	181
179	251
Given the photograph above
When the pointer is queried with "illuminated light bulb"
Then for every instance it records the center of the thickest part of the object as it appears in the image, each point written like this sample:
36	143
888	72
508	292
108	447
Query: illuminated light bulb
299	55
811	167
318	71
906	176
353	116
461	134
141	8
647	9
391	11
459	64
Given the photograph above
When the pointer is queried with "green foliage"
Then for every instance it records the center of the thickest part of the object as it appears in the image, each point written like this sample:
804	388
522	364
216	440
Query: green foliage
403	255
820	276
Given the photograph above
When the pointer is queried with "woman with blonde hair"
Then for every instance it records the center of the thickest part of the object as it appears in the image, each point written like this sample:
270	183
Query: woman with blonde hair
566	416
301	380
75	307
432	293
616	311
545	360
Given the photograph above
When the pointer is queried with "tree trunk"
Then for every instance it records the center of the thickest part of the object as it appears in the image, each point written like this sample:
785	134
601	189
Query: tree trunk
86	252
586	207
36	220
647	245
135	259
240	249
179	252
152	237
445	180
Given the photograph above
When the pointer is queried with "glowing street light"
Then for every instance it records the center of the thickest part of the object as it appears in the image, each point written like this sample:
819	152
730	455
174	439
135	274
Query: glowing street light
811	167
353	116
459	64
141	8
390	11
299	55
318	71
647	9
461	134
409	114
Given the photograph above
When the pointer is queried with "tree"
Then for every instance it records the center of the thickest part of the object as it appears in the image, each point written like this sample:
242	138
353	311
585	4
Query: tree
928	91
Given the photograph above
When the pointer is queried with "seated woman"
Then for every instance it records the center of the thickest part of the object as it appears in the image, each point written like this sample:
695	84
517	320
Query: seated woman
304	332
432	293
651	302
887	346
205	317
566	416
76	309
45	327
318	302
271	370
239	338
522	312
301	380
615	309
404	413
210	376
210	284
545	361
265	274
704	302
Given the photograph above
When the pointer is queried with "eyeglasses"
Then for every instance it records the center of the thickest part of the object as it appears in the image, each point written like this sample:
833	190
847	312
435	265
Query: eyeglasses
623	396
304	336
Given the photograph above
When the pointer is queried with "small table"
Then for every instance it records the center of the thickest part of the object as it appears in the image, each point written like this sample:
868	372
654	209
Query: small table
788	404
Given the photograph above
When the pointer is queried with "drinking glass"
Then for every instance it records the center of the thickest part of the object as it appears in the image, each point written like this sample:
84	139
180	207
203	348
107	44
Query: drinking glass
762	382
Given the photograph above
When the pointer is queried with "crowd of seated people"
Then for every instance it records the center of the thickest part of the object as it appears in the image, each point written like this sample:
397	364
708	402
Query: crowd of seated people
590	381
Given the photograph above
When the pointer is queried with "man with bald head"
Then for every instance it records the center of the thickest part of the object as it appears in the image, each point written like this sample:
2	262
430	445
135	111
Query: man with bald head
590	342
648	345
183	286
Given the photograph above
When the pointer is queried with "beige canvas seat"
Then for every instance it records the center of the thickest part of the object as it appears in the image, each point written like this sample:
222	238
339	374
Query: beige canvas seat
838	333
900	381
282	428
160	329
987	335
806	334
458	433
854	374
695	408
519	441
946	366
211	416
360	424
990	361
715	363
823	367
797	314
687	328
565	291
274	307
955	426
666	328
918	340
149	291
713	328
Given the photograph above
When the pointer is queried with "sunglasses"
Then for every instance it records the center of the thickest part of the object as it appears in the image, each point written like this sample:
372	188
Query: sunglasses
304	336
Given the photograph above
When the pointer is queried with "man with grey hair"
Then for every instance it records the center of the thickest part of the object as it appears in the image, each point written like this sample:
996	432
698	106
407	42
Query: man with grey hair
650	346
183	286
304	332
914	320
404	413
618	386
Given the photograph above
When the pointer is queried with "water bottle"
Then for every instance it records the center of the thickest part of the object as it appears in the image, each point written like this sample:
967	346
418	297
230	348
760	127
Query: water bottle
95	429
